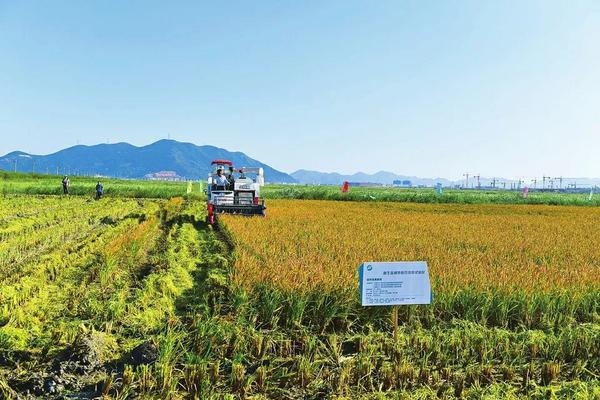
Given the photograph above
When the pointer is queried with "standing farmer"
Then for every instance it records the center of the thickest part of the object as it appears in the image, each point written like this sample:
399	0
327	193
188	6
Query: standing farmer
99	190
66	183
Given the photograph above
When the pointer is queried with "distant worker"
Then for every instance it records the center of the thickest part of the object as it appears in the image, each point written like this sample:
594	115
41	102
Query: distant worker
66	183
221	180
99	190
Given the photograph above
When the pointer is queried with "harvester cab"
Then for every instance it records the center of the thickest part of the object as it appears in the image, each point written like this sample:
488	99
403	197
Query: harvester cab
239	194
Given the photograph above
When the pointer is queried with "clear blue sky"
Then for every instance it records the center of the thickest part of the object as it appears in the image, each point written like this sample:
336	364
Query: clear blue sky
504	88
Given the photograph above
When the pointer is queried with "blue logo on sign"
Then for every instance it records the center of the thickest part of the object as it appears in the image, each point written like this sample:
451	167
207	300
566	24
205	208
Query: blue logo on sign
369	267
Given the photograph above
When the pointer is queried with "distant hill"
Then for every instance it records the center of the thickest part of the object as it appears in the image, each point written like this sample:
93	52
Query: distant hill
383	177
123	160
387	178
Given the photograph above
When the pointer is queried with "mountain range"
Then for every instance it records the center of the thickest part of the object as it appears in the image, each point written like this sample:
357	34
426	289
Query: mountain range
123	160
381	177
387	178
187	160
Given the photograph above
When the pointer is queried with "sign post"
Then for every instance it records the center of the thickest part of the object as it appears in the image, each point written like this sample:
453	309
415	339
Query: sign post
395	322
394	284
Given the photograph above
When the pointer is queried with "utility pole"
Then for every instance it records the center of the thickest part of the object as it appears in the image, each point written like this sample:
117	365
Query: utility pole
560	180
467	176
534	181
544	180
494	183
478	183
504	185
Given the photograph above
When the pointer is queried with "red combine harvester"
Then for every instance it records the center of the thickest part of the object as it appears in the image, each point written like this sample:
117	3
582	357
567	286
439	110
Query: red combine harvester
241	194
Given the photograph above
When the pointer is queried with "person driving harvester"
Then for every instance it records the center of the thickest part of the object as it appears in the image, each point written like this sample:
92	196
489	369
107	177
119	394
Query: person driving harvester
221	180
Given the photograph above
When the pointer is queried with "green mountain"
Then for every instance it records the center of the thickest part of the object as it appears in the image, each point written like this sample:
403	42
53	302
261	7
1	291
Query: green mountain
123	160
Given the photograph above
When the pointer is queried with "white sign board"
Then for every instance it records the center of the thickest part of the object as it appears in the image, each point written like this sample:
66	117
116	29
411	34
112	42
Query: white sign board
394	283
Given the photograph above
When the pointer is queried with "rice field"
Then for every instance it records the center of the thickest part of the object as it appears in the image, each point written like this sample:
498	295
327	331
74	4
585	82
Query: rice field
304	245
138	298
38	184
516	303
429	195
85	283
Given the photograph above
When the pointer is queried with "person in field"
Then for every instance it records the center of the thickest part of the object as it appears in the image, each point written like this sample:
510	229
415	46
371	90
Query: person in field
221	180
66	183
99	190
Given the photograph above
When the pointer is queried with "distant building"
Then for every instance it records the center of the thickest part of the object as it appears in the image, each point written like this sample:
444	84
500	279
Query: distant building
403	183
164	176
366	184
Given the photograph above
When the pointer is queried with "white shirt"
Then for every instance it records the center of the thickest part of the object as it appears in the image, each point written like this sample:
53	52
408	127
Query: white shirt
221	180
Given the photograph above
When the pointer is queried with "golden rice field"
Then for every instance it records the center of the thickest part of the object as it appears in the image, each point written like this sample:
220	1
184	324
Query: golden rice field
303	245
139	298
516	294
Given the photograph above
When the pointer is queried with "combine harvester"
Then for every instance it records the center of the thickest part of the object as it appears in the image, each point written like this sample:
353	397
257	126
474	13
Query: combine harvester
242	194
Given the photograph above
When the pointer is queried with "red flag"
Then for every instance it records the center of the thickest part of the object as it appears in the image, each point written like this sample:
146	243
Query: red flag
345	187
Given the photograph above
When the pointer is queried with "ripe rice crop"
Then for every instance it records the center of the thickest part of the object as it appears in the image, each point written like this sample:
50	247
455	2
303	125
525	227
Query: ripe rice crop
106	273
510	282
142	299
303	245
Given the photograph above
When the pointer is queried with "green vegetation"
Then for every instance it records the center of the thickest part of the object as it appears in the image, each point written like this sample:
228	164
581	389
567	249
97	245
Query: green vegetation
85	285
426	195
37	184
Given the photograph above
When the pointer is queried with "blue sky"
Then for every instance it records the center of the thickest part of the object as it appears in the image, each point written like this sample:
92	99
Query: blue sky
505	88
